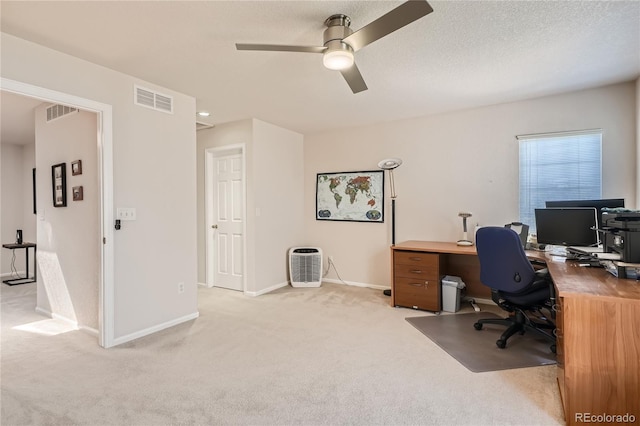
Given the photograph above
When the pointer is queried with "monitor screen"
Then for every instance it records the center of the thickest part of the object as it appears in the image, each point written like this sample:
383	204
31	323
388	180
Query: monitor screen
598	204
567	226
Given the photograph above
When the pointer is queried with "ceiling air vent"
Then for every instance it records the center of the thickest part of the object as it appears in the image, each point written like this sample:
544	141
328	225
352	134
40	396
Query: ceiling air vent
58	111
154	100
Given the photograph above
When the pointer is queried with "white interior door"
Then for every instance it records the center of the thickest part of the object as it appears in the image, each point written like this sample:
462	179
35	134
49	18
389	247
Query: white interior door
225	227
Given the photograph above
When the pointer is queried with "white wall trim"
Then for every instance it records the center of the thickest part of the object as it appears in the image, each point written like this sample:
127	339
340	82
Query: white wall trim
45	312
105	164
89	330
74	324
266	290
10	274
154	329
356	284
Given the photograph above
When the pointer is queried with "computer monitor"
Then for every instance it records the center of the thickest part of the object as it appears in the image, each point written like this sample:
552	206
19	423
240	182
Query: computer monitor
570	226
598	204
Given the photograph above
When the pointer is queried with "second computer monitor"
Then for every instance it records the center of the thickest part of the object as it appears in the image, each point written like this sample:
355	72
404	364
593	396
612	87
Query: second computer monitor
567	226
598	204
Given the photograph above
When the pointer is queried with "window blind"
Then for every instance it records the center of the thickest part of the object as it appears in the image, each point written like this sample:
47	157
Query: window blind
558	166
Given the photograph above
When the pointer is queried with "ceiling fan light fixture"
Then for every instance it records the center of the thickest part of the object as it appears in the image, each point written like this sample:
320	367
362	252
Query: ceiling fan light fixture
338	59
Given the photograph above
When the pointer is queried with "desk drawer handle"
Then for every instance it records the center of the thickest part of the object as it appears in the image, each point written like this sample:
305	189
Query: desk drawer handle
417	259
416	271
416	284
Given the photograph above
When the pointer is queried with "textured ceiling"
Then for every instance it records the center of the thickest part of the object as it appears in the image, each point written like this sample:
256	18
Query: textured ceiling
463	55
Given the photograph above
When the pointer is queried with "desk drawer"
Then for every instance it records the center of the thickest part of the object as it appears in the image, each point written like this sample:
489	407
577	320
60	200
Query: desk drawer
427	260
420	272
417	293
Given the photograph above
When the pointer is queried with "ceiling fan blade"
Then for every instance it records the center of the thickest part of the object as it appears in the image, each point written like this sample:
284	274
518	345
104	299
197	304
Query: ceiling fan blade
280	48
402	15
354	79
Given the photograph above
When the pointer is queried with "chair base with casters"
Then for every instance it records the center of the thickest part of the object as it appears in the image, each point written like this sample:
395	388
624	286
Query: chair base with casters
519	322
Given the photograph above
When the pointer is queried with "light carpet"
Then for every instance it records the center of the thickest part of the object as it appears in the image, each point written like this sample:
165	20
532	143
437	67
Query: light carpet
332	355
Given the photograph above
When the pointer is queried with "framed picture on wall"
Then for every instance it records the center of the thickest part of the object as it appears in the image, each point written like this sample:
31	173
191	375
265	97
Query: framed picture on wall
59	184
33	192
77	192
76	168
350	196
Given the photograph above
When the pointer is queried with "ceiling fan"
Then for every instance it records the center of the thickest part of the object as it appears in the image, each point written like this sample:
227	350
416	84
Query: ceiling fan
340	42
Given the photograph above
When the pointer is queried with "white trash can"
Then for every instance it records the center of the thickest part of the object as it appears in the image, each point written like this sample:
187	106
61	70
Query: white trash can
451	289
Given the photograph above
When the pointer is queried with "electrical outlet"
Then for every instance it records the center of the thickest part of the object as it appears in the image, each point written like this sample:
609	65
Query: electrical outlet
180	287
330	259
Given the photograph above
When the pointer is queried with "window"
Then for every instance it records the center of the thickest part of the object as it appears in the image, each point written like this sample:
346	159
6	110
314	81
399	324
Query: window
558	166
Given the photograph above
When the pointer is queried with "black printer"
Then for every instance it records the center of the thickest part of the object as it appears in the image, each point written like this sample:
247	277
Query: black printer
621	233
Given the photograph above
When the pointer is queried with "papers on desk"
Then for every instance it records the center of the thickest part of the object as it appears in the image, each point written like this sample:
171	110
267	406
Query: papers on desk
607	256
622	269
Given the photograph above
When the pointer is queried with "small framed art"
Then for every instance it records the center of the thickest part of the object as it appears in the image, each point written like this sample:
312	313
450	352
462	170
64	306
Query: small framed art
77	193
59	184
76	168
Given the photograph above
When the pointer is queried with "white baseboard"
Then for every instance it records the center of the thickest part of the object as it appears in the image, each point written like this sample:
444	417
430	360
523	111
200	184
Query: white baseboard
71	322
10	274
89	330
154	329
266	290
356	284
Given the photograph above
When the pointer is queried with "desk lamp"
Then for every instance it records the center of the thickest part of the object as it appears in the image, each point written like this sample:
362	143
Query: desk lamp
389	164
465	237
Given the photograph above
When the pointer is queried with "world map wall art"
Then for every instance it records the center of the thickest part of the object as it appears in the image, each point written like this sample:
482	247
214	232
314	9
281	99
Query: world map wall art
350	196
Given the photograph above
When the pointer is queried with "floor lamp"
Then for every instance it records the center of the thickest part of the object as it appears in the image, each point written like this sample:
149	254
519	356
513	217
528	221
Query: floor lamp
390	164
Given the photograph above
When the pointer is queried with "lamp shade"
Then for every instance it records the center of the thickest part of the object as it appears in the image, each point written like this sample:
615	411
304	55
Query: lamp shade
389	163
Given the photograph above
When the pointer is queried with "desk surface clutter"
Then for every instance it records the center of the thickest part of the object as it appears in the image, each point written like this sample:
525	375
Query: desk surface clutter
598	321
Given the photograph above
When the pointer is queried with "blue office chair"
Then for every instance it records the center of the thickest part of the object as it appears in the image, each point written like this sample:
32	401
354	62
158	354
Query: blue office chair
515	286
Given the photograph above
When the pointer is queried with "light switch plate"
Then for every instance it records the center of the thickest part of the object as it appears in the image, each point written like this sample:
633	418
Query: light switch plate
127	213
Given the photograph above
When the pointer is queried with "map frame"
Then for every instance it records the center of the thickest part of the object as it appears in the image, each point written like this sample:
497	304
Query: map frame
358	212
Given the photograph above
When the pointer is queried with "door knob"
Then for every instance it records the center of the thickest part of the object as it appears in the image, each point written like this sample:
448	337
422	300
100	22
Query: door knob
214	226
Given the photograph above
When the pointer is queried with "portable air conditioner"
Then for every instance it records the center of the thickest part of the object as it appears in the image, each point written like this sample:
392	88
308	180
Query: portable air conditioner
305	267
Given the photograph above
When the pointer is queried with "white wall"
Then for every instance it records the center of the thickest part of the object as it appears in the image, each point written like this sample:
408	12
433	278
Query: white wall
275	202
68	237
279	198
153	158
28	217
17	162
461	161
12	203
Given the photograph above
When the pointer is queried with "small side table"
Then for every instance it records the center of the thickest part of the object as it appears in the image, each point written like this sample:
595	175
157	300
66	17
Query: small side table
26	279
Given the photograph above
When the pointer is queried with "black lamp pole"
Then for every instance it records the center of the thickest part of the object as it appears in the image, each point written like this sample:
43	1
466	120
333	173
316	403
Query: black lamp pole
390	164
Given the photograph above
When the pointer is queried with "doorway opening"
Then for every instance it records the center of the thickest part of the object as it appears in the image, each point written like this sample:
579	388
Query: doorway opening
105	187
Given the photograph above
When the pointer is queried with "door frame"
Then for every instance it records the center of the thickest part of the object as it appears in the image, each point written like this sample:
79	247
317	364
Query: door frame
210	154
105	184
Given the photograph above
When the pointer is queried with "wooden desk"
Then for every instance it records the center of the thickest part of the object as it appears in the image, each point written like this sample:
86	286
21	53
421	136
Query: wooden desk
439	259
26	279
598	325
598	346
